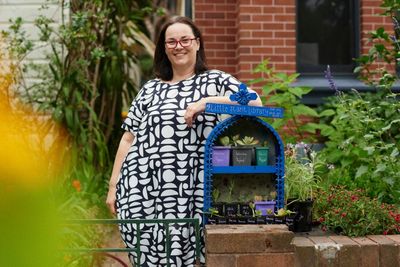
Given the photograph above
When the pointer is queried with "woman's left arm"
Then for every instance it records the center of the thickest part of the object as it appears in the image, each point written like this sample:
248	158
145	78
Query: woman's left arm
194	109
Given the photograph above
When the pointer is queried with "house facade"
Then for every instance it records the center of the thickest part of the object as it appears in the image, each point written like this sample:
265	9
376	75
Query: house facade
297	36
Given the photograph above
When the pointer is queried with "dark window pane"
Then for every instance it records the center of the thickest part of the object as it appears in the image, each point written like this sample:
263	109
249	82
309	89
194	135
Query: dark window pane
325	35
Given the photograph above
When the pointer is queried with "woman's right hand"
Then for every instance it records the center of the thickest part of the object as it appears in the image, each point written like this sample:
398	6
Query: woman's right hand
111	198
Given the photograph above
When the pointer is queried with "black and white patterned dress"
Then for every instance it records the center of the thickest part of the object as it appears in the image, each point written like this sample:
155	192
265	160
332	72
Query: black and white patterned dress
162	174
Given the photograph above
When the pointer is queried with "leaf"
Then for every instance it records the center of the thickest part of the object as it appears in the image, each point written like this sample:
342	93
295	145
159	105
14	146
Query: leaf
327	113
296	91
361	170
394	153
304	110
369	149
380	168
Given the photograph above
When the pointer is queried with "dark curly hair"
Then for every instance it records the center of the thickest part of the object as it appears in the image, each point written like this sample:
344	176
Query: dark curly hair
162	66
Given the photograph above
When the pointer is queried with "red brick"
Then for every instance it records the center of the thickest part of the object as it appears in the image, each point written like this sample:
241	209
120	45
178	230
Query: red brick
225	38
262	17
210	30
262	50
370	251
262	2
304	252
243	18
273	10
350	253
247	10
261	34
388	250
244	50
284	2
205	22
214	15
373	19
273	26
284	34
250	42
250	26
284	50
326	251
263	260
218	260
229	239
205	7
284	18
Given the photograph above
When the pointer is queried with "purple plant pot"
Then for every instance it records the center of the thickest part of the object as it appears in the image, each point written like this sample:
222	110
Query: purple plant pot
221	156
264	206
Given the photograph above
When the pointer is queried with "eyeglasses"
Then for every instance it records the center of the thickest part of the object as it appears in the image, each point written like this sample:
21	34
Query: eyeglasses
171	44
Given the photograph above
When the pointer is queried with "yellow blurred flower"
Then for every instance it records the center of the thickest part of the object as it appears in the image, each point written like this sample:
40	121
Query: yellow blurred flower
124	114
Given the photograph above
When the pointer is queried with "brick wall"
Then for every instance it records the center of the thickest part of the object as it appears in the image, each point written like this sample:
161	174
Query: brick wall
241	33
274	245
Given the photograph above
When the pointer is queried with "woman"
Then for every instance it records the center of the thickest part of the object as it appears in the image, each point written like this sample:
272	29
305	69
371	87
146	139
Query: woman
158	169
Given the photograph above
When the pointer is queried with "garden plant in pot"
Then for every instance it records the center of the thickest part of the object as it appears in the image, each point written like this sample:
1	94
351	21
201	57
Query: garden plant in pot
301	181
221	153
242	152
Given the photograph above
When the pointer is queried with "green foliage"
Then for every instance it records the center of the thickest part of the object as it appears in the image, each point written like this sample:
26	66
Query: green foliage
362	131
353	213
301	179
92	75
247	141
362	144
385	48
277	90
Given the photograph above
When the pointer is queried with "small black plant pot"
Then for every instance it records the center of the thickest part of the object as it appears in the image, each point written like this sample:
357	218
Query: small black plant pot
280	220
222	220
245	210
261	220
242	156
241	220
290	222
231	209
251	220
303	220
270	219
232	220
212	220
220	207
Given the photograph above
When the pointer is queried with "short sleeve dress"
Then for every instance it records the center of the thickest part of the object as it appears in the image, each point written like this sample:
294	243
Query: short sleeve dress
162	174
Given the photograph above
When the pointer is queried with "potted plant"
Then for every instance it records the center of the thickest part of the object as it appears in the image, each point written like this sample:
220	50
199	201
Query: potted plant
262	154
300	183
242	153
265	205
221	154
219	206
231	208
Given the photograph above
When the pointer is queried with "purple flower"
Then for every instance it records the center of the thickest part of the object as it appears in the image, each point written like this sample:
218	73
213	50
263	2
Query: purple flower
329	77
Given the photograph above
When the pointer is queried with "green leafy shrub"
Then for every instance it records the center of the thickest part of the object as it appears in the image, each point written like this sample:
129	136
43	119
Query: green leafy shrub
353	213
362	144
277	90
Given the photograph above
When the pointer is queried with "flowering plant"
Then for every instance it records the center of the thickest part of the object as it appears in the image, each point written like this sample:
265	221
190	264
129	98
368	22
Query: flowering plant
353	213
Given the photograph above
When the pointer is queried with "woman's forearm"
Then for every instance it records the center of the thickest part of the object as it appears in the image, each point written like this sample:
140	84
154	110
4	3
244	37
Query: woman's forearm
123	148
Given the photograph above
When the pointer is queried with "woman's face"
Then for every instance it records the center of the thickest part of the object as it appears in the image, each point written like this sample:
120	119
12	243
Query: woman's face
181	56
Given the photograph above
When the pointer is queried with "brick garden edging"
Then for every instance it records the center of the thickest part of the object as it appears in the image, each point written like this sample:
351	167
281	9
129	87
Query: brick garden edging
275	245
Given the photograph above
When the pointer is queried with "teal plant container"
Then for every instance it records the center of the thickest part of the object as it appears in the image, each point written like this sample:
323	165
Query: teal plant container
262	156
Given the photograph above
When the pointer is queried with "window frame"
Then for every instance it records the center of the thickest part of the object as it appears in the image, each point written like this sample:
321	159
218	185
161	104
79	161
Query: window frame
339	69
